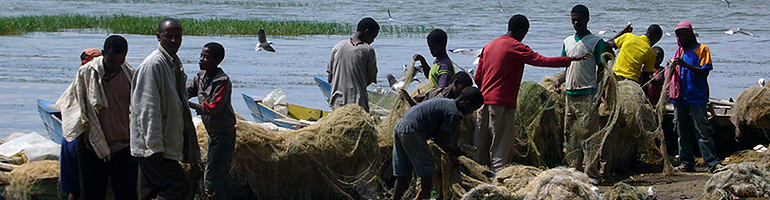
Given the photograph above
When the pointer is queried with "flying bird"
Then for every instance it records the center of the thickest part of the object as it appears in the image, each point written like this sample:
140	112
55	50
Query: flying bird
263	43
468	52
605	30
738	30
501	7
728	3
761	82
390	17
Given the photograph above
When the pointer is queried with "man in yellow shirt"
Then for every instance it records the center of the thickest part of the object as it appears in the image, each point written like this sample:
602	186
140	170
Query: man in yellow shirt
636	60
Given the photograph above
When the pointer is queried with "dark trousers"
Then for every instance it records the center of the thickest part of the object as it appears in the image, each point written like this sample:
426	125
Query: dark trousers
218	161
121	169
693	120
163	179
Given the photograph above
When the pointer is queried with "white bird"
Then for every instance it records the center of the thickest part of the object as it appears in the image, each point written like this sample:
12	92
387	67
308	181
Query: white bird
605	30
761	82
469	52
728	3
263	43
390	17
501	7
738	30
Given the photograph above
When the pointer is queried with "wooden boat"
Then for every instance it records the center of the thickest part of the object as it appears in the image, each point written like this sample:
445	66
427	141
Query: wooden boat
297	117
51	116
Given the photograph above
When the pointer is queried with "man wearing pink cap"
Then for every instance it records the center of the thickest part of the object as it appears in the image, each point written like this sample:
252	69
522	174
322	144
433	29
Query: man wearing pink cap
689	93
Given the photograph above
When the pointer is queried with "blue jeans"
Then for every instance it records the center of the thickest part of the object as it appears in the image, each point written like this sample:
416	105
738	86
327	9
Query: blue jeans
411	153
691	120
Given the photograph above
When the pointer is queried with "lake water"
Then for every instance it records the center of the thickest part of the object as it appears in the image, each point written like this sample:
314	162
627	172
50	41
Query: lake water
40	65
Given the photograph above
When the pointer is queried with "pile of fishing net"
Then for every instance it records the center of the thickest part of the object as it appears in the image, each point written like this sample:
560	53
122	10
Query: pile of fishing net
34	180
539	126
624	191
752	111
762	159
738	181
526	182
336	158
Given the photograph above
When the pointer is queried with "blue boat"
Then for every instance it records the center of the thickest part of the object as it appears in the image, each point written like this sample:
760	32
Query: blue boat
51	116
293	120
326	88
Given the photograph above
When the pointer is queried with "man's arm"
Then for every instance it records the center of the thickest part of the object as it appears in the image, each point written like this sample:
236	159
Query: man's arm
372	68
408	98
533	58
697	70
223	89
628	29
192	88
423	64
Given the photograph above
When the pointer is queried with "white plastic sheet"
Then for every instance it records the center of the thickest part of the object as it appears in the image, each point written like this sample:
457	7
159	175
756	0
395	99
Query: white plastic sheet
34	145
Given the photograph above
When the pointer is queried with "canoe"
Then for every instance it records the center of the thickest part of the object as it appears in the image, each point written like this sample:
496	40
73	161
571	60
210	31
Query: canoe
51	116
383	100
297	117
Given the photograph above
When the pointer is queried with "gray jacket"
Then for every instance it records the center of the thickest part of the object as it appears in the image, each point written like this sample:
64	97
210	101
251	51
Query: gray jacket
161	120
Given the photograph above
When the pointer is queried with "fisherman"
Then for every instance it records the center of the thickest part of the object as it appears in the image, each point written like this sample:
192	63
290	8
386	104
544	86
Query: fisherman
581	86
499	74
459	81
69	177
95	111
636	60
353	66
690	99
162	132
442	69
656	82
213	88
436	119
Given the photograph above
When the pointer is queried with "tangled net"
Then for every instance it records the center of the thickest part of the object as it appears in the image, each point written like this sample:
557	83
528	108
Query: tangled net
624	191
336	158
560	183
739	180
752	111
516	177
488	192
34	180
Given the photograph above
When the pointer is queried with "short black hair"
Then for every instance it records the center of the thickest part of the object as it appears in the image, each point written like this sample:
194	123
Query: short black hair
437	36
367	23
462	78
654	31
472	95
216	50
517	23
580	10
116	43
172	20
658	51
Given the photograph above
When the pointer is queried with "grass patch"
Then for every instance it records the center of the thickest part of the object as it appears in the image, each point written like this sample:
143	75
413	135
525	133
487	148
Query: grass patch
125	24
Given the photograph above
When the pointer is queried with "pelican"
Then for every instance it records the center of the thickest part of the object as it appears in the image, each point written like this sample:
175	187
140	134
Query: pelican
738	30
263	43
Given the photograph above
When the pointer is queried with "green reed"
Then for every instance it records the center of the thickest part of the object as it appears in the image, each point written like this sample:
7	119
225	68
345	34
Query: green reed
125	24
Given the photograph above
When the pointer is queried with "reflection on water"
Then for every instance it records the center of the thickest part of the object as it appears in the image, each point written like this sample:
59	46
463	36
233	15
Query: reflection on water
40	65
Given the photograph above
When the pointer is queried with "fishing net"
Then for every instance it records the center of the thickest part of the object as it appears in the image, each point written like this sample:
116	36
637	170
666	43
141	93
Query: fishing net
624	191
34	180
516	177
335	158
739	180
761	158
489	192
538	132
752	111
560	183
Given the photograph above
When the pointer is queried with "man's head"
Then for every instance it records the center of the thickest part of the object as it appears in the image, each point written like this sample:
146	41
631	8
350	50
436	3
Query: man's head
470	100
654	33
684	34
437	40
211	55
89	54
170	35
114	51
368	29
518	26
659	54
459	82
580	18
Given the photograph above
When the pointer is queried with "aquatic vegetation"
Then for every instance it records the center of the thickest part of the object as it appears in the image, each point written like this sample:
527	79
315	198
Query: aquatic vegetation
147	25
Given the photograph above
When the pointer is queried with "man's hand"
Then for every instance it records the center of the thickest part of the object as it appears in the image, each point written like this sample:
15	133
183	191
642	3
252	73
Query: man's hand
582	57
557	87
629	28
418	57
157	156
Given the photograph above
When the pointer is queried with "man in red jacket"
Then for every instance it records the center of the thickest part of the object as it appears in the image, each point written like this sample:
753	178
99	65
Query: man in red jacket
499	73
